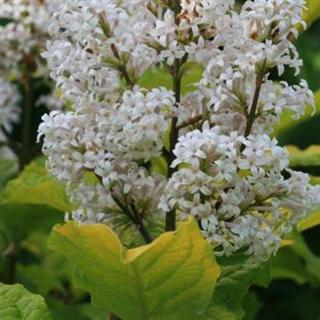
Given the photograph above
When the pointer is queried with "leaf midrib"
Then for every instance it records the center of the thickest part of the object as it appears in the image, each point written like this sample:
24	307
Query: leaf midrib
143	301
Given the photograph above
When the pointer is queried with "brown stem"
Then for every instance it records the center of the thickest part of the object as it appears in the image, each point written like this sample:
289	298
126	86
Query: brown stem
253	110
191	122
10	261
174	136
254	106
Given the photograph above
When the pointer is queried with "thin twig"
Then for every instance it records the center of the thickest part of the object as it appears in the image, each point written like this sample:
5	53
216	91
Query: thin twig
254	106
122	67
253	110
191	122
134	216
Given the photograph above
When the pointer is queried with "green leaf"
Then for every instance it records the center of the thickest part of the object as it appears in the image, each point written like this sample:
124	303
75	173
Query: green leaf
36	186
16	303
288	265
304	158
297	262
54	270
313	11
17	221
78	312
312	261
311	221
159	166
172	278
156	78
33	201
232	288
160	77
252	306
8	168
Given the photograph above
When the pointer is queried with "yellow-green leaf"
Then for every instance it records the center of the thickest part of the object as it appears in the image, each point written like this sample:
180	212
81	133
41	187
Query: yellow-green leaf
314	180
36	186
312	220
16	303
313	11
8	168
172	278
159	166
162	78
304	158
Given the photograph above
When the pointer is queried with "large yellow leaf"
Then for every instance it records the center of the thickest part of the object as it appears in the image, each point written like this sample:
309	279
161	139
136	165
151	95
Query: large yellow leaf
172	278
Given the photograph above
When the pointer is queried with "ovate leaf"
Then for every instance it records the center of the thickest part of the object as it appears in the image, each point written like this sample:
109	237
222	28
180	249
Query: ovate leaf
172	278
16	303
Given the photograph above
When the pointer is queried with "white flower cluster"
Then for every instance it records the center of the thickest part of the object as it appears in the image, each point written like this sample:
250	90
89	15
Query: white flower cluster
219	163
9	111
23	33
